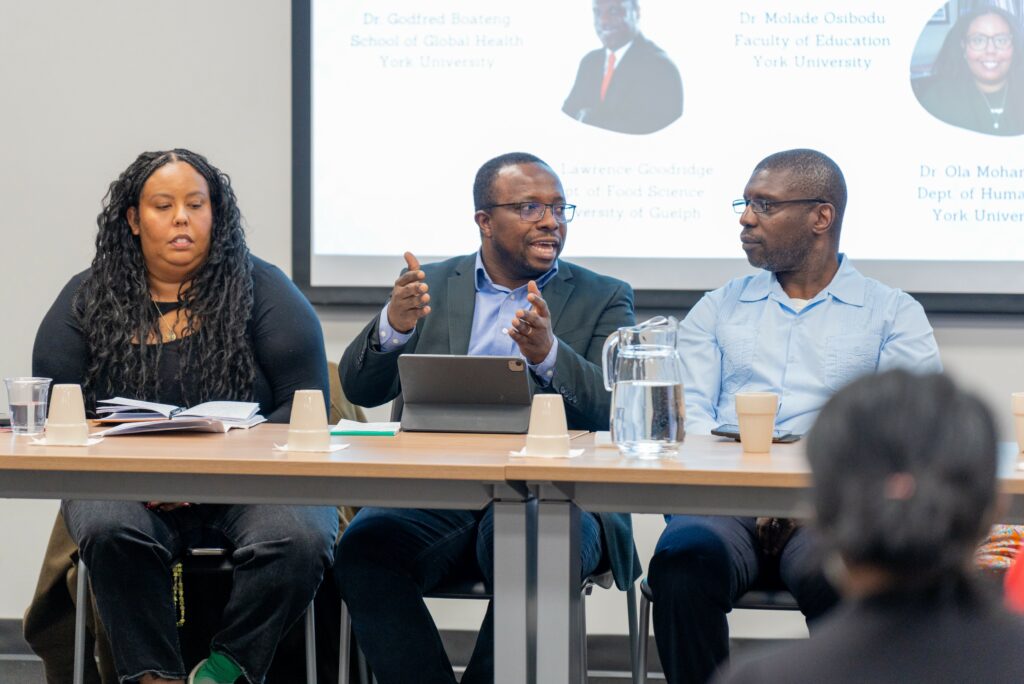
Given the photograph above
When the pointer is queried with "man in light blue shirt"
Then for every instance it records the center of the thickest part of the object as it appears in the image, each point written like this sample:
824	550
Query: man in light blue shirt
803	327
751	336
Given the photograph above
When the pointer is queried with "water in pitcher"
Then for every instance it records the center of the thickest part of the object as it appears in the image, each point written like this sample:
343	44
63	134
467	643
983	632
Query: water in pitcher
648	418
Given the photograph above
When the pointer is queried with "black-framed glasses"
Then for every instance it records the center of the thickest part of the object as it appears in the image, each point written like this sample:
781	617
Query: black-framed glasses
763	206
534	211
980	41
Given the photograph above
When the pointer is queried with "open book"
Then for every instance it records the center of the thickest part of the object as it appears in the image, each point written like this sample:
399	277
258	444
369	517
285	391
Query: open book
135	416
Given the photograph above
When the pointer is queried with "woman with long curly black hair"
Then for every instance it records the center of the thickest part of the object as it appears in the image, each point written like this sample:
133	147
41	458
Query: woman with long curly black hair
977	81
116	300
175	309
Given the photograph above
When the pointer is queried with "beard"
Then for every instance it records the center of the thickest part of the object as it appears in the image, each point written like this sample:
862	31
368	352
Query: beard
781	259
517	263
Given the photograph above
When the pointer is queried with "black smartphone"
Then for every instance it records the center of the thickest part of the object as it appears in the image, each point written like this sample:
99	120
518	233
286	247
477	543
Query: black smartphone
733	431
5	420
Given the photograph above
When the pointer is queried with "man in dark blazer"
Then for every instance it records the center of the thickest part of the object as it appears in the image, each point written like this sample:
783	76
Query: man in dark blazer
513	297
630	85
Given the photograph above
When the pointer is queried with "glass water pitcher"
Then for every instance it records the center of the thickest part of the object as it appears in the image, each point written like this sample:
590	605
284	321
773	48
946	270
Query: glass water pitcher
644	373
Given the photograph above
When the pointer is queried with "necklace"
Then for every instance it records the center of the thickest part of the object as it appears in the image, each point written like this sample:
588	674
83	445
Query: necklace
170	335
996	112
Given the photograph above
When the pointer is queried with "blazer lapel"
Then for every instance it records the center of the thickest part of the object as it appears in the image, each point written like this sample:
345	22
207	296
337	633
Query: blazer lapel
557	292
461	297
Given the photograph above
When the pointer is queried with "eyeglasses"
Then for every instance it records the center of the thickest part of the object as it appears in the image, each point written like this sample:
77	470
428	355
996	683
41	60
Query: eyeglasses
763	206
981	41
535	211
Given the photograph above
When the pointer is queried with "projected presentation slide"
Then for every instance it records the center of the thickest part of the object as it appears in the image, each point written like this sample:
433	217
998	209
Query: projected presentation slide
921	104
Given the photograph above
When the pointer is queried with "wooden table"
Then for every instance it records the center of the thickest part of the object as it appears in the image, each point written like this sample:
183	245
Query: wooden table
417	470
710	476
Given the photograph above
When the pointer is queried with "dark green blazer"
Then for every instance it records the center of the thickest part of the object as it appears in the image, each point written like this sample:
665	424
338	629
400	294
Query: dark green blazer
585	308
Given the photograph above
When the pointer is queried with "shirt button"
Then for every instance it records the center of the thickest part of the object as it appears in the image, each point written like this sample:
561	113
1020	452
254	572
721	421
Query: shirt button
550	373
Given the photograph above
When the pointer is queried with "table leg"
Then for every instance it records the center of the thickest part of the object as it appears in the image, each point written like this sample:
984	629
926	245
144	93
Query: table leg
514	591
558	593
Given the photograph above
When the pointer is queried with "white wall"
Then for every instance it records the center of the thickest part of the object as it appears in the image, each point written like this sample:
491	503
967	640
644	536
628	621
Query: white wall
84	87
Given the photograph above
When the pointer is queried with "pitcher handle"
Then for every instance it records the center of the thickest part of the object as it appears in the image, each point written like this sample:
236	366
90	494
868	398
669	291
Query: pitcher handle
608	354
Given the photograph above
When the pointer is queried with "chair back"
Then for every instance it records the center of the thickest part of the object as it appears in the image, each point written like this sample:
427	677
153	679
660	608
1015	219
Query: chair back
206	561
757	599
397	404
341	407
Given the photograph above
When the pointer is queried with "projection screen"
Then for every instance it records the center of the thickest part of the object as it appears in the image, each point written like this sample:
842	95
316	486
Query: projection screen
398	102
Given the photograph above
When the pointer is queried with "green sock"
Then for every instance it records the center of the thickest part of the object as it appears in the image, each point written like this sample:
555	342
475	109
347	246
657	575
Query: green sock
218	669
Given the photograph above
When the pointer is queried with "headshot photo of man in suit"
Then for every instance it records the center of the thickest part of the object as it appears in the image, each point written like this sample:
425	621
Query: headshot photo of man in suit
630	85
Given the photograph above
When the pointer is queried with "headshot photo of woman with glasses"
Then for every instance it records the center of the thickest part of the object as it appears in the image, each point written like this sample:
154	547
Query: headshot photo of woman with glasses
977	78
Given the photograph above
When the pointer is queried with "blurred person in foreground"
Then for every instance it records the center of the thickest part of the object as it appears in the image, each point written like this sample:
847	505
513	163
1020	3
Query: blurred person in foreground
904	475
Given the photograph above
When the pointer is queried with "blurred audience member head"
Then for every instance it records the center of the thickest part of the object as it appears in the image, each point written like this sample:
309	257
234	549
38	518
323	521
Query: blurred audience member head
904	472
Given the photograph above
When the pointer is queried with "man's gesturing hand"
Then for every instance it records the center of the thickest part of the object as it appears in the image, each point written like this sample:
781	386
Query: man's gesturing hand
531	329
409	297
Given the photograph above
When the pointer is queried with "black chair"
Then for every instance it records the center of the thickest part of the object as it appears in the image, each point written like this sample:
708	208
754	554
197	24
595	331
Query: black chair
475	589
195	562
752	600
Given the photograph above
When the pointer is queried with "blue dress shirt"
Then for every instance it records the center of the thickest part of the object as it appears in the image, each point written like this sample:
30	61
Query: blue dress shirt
749	336
494	309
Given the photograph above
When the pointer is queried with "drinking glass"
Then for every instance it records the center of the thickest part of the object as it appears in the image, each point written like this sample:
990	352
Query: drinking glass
26	401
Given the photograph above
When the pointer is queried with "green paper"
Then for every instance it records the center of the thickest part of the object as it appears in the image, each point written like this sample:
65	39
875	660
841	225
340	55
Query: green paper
372	433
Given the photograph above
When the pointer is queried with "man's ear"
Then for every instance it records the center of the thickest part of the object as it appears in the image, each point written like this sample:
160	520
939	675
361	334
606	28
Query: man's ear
133	220
824	218
483	221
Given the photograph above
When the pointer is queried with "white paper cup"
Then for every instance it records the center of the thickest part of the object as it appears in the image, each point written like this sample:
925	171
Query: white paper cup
309	440
307	430
755	412
66	421
547	445
548	434
1017	399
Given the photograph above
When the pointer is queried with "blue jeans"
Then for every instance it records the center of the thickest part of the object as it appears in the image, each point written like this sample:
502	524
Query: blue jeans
280	554
701	566
388	558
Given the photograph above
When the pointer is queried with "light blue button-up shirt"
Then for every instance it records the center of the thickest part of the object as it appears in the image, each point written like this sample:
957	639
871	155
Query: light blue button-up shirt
751	336
494	309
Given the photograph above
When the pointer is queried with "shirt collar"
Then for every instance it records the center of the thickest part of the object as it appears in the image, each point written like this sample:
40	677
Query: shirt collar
848	286
484	282
619	54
